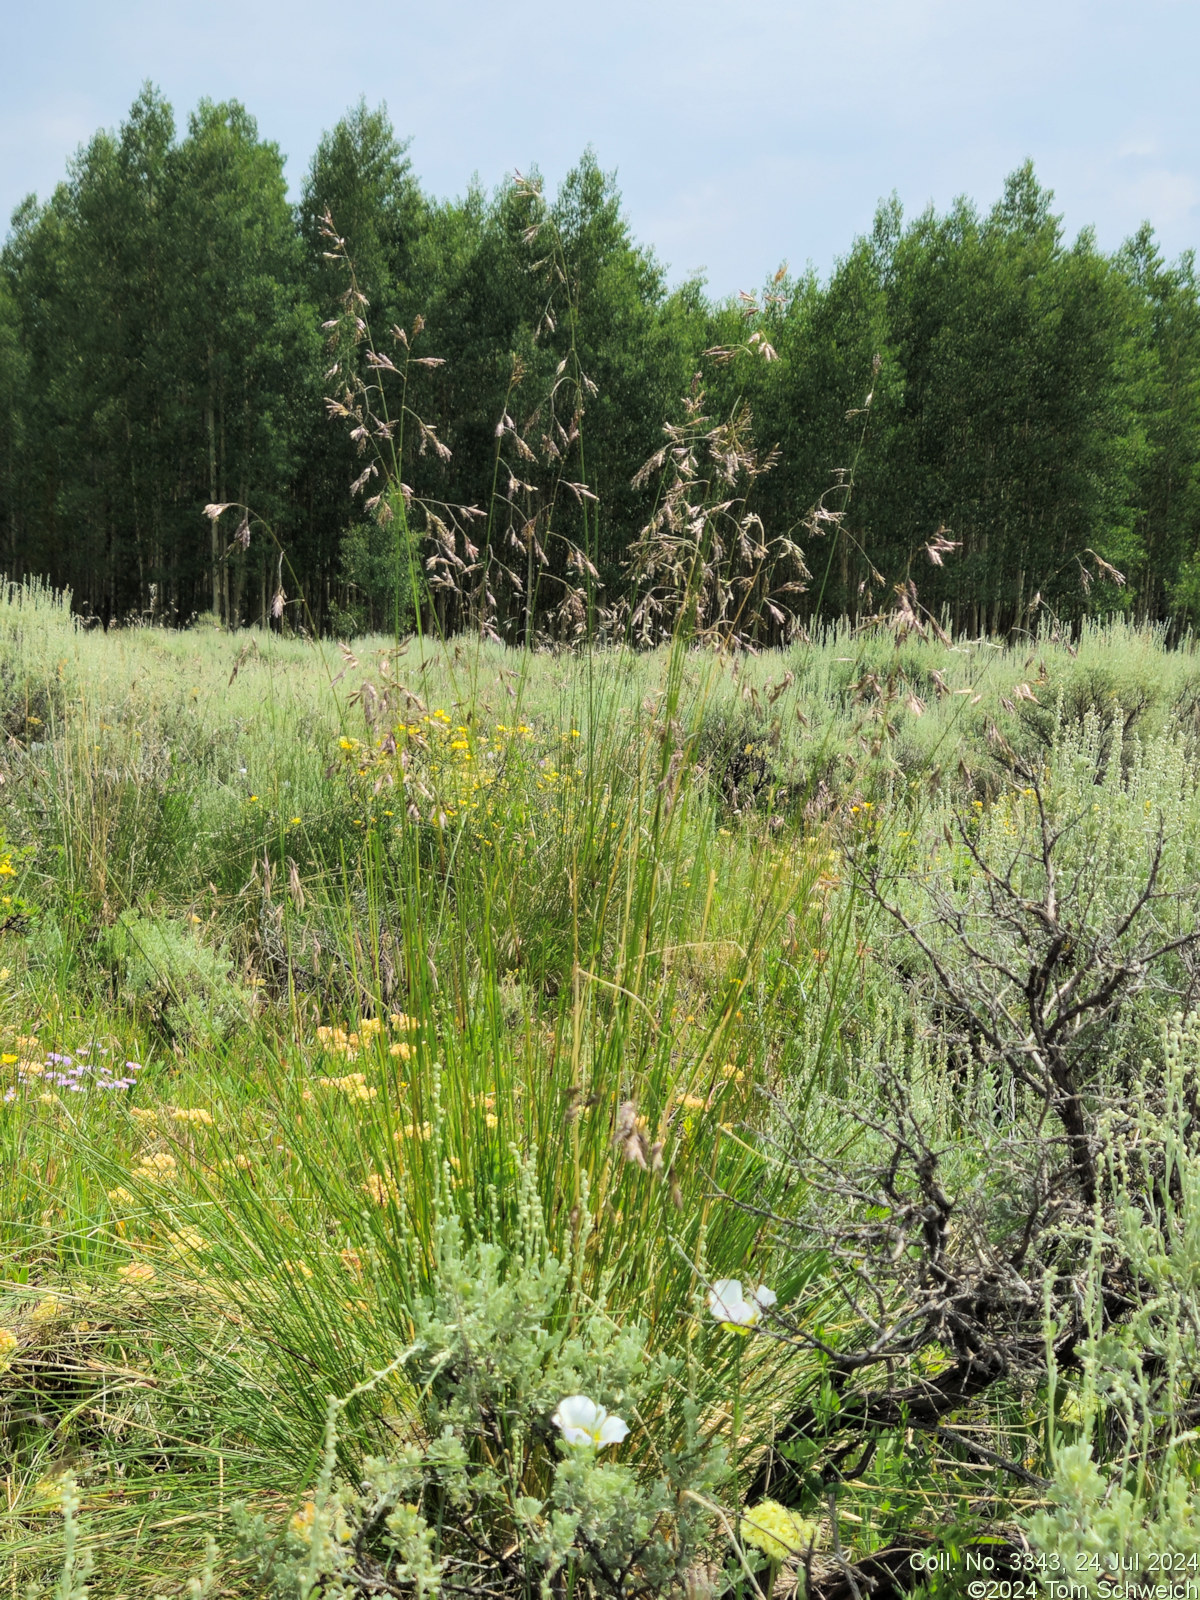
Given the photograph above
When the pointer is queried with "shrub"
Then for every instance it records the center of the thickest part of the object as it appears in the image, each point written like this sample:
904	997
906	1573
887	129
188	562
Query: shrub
166	970
488	1489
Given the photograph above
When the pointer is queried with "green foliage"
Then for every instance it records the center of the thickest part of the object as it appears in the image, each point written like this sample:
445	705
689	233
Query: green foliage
163	968
974	372
499	1340
1123	1491
377	563
541	1024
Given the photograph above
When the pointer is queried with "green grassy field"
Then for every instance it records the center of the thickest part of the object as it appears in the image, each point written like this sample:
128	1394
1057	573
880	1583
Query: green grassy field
431	1029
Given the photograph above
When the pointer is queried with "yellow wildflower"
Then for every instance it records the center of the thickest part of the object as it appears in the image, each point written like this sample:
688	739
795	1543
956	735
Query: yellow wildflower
136	1272
381	1189
302	1523
776	1531
297	1269
121	1197
354	1085
8	1346
401	1050
186	1239
45	1311
196	1114
410	1130
158	1165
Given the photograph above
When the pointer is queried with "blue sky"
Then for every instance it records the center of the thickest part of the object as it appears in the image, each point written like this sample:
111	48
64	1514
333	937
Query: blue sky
741	137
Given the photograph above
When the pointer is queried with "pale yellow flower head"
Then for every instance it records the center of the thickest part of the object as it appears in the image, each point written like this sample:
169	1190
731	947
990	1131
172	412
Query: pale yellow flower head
776	1531
47	1309
158	1165
193	1114
136	1272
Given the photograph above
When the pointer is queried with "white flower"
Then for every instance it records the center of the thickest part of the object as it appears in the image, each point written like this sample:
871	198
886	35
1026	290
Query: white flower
584	1422
732	1309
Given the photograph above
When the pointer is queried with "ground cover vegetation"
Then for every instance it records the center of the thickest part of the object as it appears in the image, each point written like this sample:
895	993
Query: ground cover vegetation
622	1122
162	348
649	1075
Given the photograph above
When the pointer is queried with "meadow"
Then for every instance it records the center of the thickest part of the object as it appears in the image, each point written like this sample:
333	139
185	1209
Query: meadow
791	1054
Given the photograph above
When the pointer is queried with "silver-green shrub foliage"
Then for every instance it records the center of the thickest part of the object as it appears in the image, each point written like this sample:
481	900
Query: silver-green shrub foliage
485	1484
162	965
1141	1375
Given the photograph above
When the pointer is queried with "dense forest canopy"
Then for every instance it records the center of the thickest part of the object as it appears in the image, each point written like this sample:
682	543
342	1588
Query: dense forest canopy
170	328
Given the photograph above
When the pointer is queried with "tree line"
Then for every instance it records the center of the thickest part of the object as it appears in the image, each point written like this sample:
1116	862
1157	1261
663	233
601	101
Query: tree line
404	390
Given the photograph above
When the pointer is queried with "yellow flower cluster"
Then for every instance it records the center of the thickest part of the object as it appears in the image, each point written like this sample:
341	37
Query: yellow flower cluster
449	771
136	1272
353	1085
8	1346
381	1187
193	1114
185	1240
46	1310
157	1165
776	1531
302	1524
337	1041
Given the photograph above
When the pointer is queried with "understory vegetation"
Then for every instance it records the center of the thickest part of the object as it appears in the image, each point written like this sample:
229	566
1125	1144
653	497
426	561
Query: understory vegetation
642	1123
